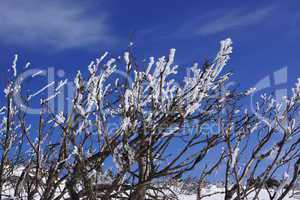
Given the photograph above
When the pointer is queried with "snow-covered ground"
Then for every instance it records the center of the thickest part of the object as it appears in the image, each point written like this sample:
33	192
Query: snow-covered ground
221	197
214	190
210	192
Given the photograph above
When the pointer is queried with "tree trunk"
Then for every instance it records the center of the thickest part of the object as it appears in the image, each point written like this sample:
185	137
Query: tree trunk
140	190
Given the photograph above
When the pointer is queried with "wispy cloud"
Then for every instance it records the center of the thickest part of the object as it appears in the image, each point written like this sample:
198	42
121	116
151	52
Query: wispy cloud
55	24
234	19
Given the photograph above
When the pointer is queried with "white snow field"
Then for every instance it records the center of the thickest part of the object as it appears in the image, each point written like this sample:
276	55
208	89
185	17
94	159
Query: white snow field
263	195
213	193
210	192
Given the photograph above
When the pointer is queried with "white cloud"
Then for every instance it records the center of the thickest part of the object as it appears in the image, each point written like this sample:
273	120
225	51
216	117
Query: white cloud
54	24
234	19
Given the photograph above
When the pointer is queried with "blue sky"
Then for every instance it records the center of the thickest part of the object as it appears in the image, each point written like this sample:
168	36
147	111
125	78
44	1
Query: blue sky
68	34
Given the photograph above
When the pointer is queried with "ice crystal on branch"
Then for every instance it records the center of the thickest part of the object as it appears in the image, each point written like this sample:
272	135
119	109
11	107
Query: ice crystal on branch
132	125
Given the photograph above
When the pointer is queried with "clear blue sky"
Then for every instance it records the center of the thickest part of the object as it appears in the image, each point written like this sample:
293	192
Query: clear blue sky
68	34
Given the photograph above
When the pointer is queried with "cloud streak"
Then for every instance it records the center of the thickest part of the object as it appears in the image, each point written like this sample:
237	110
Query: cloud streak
234	19
54	24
